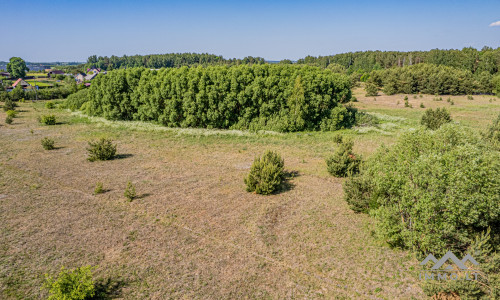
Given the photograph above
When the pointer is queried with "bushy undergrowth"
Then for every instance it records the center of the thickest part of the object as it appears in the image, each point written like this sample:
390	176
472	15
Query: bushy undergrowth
11	113
9	119
76	100
433	119
47	144
9	105
266	174
103	149
48	119
371	90
271	97
50	105
130	192
75	284
492	135
343	162
433	192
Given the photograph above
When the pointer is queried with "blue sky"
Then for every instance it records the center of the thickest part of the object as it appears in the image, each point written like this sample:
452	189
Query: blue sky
70	30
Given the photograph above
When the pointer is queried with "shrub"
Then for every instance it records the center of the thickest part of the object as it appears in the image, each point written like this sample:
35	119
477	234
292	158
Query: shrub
406	103
12	113
371	89
103	149
76	100
50	105
130	192
47	144
48	119
469	97
357	193
98	188
432	191
433	119
343	162
422	105
9	120
9	104
337	138
266	174
76	284
406	98
492	135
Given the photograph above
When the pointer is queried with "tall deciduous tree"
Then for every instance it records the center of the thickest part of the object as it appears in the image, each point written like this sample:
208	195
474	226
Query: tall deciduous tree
17	67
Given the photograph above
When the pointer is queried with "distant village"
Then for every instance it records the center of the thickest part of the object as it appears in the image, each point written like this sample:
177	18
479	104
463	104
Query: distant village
30	82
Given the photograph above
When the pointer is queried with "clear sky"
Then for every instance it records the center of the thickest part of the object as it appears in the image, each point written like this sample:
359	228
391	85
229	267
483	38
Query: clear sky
68	30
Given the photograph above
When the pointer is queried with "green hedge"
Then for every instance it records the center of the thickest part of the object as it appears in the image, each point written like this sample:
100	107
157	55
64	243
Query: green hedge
270	97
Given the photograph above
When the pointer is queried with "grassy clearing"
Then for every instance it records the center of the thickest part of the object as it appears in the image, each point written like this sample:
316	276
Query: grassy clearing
193	231
39	83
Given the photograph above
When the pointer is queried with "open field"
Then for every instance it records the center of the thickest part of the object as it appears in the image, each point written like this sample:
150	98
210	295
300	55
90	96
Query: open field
39	83
194	233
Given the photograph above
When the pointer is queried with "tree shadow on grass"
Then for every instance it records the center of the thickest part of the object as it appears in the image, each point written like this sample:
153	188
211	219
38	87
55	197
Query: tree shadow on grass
287	185
142	196
122	156
108	289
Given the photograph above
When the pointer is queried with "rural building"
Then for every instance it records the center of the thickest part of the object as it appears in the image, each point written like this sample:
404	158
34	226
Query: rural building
91	76
94	70
5	74
55	72
20	82
80	77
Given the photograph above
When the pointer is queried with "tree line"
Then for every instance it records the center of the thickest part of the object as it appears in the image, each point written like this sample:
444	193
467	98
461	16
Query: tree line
170	60
255	97
432	79
470	59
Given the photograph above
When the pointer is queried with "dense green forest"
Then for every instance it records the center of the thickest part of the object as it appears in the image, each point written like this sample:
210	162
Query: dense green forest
170	60
271	97
470	59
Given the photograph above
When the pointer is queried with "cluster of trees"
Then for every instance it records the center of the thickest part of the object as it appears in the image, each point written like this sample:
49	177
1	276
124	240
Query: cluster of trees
41	94
469	59
170	60
433	192
431	79
271	97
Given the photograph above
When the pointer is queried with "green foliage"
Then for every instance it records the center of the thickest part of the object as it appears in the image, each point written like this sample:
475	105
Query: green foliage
9	119
432	191
469	97
11	113
487	285
48	119
428	79
9	105
371	89
343	162
76	100
492	135
98	188
433	119
266	174
102	149
130	192
276	97
75	284
17	67
338	138
50	105
47	144
358	191
422	105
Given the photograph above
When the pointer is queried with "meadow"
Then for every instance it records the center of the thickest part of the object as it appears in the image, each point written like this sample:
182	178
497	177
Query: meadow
194	232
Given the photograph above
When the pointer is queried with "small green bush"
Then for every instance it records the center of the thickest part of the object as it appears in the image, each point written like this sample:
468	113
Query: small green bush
9	120
98	188
50	105
406	98
130	192
103	149
47	144
12	113
9	104
48	119
422	105
75	284
343	162
469	97
433	119
407	104
266	174
371	90
357	193
337	138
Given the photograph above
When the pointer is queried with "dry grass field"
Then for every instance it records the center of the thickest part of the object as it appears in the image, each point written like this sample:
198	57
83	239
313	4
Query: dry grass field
194	232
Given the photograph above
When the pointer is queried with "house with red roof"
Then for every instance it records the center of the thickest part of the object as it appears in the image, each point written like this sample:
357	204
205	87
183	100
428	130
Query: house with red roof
20	82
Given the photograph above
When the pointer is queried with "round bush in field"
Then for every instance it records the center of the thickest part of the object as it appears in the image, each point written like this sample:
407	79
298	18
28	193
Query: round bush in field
103	149
48	119
266	174
75	284
343	162
433	119
432	191
48	144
